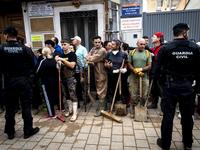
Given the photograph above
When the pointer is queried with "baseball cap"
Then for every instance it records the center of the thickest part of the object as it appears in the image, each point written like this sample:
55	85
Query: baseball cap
159	35
76	38
182	25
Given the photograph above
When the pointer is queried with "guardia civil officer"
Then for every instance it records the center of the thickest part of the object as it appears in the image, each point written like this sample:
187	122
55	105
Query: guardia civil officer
180	60
16	62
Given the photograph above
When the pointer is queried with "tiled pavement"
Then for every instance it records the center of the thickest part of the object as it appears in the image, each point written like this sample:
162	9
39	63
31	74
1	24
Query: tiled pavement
91	133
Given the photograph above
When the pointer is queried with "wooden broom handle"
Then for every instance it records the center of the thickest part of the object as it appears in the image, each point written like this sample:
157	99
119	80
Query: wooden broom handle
116	87
140	88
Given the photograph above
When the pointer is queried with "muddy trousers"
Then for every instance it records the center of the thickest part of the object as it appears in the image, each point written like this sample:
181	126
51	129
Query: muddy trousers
134	89
112	82
69	89
181	92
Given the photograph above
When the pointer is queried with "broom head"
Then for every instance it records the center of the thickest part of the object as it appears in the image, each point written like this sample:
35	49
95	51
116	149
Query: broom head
111	116
60	118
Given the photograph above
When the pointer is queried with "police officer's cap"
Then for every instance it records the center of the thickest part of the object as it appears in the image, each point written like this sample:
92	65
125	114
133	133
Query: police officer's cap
182	25
10	30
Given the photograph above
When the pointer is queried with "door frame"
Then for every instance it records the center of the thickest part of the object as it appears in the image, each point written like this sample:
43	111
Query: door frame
100	17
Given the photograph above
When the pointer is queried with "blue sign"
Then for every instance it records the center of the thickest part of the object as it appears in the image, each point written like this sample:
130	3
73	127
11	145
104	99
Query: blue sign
130	9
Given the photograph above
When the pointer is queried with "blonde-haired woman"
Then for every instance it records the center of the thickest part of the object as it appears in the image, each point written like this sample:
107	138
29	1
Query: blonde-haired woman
49	77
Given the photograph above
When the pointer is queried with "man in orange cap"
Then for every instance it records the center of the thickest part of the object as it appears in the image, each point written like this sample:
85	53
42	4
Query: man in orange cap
157	40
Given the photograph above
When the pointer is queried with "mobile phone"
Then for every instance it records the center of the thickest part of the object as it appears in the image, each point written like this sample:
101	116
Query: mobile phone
109	60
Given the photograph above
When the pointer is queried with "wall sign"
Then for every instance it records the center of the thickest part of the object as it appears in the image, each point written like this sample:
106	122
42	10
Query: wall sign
115	1
130	9
131	23
40	9
36	38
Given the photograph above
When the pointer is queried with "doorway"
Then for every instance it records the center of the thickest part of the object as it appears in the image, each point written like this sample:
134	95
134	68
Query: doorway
81	23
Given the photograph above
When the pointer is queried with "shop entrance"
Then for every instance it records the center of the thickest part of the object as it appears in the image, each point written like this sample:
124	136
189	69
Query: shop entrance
81	23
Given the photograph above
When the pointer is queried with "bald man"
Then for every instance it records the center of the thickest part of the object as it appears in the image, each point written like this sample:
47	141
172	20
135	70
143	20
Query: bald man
139	62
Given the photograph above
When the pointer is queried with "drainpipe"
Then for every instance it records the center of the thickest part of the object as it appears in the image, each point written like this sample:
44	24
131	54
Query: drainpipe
106	20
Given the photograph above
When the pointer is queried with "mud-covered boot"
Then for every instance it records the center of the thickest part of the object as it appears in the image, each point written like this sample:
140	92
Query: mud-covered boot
75	112
69	103
153	103
1	108
102	103
132	115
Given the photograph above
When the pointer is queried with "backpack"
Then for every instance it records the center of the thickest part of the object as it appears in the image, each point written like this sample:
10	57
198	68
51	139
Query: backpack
133	52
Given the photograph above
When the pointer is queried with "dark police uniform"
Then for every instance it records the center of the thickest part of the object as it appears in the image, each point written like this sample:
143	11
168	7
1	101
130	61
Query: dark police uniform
180	59
16	62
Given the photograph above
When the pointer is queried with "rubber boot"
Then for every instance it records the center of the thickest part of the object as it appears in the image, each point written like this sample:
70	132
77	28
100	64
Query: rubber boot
69	103
132	115
75	112
102	103
153	103
1	108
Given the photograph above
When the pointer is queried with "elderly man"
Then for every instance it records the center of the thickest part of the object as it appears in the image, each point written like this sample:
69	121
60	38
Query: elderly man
139	63
81	51
97	56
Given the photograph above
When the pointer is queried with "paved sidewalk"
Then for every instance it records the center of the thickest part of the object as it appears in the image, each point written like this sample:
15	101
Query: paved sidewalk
91	133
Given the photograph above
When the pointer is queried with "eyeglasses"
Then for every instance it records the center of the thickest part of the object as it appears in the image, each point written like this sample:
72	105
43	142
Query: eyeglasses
97	42
142	44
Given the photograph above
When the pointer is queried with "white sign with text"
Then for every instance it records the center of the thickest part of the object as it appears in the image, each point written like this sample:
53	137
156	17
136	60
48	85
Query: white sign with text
40	9
131	23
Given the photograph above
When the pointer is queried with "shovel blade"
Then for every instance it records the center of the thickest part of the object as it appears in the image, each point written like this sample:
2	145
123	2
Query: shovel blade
140	113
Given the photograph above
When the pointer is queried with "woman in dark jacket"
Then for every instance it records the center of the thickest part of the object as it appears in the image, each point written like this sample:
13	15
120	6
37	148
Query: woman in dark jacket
49	77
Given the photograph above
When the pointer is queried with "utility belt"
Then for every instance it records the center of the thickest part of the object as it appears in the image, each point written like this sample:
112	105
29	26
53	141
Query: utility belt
9	76
175	79
170	78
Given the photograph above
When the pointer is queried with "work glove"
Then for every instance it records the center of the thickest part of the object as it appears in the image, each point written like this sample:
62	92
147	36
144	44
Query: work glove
137	70
116	71
141	74
124	70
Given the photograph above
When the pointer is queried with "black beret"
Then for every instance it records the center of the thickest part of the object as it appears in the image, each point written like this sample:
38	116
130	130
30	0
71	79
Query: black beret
181	25
10	29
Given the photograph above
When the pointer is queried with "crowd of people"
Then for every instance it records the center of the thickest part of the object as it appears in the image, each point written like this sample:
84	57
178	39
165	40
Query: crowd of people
170	66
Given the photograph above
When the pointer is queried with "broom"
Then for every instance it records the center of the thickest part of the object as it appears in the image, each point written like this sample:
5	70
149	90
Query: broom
110	115
90	96
60	118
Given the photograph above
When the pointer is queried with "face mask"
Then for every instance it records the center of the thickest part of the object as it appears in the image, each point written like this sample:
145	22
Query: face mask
114	52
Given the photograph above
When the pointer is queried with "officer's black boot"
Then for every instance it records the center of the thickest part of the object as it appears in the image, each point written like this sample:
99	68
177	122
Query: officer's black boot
159	143
28	134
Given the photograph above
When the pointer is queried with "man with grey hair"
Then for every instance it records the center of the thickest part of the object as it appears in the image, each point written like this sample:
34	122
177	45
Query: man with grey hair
81	51
139	62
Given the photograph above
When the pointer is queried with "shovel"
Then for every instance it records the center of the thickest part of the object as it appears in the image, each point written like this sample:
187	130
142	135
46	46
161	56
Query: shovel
120	109
90	96
140	111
